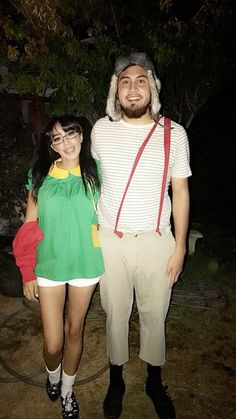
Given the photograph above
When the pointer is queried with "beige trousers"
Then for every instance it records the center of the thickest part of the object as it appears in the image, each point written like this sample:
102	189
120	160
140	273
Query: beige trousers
136	262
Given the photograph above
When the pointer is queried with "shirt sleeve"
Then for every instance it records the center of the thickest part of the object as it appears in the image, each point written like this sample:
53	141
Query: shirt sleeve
181	166
24	249
29	185
94	150
99	169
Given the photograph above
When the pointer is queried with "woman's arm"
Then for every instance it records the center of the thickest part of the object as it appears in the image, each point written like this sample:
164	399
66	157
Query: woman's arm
30	289
32	209
25	248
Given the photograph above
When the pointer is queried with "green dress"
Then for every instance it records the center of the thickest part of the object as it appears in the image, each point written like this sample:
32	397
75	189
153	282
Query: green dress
68	220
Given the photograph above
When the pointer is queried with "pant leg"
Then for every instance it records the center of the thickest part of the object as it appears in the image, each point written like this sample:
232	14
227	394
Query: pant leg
153	294
116	291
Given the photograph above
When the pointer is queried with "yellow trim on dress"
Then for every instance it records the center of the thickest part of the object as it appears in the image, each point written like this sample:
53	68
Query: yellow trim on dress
59	173
95	238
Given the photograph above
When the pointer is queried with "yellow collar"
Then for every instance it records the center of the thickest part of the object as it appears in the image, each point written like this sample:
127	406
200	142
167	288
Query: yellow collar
59	173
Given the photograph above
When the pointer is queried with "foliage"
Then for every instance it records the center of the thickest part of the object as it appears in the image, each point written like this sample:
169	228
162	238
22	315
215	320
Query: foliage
191	44
15	153
46	56
66	49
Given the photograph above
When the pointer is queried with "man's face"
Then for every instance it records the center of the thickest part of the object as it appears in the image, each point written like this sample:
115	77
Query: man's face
134	92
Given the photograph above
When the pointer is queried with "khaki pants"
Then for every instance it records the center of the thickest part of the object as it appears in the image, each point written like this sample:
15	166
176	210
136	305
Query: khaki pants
136	262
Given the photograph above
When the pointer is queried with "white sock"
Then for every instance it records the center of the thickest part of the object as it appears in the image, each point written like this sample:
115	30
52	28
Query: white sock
67	384
54	376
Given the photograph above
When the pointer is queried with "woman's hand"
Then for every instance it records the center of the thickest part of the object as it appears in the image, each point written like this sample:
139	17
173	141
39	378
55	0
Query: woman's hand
30	290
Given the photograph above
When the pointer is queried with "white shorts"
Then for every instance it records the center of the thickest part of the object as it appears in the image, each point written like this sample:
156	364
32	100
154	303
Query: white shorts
78	282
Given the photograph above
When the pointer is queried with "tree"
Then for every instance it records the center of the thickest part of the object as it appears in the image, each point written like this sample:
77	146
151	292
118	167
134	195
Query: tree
44	49
191	43
68	48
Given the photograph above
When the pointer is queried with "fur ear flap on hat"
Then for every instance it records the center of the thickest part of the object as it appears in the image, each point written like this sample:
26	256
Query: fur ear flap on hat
155	87
113	109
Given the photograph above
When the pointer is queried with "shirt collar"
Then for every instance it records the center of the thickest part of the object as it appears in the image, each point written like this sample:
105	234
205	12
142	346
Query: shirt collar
59	173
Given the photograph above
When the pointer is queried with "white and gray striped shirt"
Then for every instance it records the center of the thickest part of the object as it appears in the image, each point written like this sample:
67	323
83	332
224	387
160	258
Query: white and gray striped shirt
116	145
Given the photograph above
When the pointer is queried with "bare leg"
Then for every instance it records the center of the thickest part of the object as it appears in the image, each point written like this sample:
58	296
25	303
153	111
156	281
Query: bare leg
52	300
78	302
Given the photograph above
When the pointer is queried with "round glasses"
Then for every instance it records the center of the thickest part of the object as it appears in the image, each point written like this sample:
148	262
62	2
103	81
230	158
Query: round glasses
58	139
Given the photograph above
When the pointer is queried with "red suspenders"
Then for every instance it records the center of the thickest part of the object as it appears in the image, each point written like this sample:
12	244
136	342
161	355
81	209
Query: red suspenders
167	124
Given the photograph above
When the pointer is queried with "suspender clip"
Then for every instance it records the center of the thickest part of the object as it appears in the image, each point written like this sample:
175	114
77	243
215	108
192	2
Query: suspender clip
118	233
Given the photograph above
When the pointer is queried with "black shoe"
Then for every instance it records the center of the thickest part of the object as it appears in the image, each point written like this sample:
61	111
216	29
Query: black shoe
69	407
53	390
112	405
162	401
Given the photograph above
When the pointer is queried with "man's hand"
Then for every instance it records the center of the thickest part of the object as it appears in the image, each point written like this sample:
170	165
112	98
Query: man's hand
30	290
174	266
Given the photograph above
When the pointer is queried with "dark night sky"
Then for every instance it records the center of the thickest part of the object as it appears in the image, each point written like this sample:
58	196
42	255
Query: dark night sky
213	154
186	9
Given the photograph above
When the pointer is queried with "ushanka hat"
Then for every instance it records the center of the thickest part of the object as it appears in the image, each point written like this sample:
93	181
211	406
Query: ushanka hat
113	109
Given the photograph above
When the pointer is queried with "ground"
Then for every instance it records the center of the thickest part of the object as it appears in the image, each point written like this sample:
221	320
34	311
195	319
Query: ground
200	370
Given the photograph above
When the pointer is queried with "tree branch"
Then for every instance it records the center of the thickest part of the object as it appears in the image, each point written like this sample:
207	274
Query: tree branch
115	22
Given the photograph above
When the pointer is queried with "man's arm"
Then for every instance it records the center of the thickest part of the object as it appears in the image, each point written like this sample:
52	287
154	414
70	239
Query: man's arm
180	203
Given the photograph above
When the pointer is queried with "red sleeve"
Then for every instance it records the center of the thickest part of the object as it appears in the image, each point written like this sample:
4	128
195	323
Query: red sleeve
25	246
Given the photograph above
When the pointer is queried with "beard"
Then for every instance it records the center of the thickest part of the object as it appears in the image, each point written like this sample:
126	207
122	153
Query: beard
135	112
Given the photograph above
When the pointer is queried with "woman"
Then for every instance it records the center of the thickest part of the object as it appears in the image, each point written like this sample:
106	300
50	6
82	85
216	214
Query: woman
61	226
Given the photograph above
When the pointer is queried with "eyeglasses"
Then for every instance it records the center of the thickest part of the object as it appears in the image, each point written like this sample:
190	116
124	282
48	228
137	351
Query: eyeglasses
58	139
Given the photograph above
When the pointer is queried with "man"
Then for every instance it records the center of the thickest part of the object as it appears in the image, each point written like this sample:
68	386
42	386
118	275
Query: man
139	249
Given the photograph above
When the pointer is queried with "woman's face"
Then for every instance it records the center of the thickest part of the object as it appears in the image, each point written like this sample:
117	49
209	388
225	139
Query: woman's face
66	143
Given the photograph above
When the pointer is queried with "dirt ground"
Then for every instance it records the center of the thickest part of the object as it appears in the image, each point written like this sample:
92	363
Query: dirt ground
201	347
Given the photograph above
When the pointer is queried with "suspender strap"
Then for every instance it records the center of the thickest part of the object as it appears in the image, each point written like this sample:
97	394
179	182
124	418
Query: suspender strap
167	125
140	151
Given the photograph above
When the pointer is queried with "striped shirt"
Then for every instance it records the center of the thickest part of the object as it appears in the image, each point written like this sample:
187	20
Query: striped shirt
116	145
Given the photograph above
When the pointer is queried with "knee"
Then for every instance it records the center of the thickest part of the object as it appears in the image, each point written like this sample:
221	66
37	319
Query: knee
74	332
53	348
118	322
